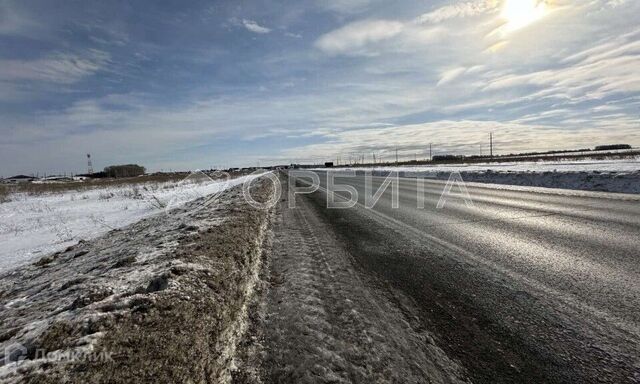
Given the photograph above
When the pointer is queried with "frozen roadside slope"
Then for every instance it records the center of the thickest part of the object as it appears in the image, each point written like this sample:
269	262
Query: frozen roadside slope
162	300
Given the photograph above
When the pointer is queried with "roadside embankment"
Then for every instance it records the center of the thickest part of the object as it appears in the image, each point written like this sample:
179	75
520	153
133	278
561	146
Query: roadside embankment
162	300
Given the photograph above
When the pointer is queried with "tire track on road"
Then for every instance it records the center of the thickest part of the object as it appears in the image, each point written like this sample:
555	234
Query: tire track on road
324	323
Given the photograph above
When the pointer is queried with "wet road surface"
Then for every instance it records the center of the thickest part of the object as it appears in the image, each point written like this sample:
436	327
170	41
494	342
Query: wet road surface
523	286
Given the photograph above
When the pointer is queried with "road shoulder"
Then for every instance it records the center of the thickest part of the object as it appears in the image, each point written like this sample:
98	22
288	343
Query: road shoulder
326	322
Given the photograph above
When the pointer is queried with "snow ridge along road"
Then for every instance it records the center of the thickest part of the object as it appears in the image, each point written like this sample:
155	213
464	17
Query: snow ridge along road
621	175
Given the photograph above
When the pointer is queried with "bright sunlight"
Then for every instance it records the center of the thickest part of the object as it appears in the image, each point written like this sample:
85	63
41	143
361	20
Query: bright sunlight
521	13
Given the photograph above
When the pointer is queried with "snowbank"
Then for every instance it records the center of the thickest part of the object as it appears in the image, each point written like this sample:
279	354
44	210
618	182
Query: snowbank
33	226
622	176
618	166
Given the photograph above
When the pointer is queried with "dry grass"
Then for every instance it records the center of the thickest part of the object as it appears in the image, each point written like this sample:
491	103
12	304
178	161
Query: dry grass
39	189
46	188
4	194
205	283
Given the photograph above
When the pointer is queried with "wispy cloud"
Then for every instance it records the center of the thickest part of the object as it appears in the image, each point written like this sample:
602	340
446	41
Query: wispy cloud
14	22
346	6
449	136
599	72
355	38
255	27
459	10
450	75
63	68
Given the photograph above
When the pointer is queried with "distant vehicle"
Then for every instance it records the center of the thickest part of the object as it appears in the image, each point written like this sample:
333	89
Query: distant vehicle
328	164
612	147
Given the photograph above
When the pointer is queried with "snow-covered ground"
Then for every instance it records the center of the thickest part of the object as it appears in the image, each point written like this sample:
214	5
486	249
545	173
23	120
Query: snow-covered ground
117	306
33	226
618	165
620	175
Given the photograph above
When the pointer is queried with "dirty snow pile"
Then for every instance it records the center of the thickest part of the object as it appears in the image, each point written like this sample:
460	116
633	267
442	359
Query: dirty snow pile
621	175
33	226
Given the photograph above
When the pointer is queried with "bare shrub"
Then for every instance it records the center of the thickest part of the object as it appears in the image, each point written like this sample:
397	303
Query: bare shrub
4	194
105	195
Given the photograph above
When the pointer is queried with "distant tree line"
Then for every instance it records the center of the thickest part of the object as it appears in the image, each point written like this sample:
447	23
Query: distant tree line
612	147
127	170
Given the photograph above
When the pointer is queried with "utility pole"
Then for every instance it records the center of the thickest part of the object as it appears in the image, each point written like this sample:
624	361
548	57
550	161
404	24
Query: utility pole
430	153
396	155
491	144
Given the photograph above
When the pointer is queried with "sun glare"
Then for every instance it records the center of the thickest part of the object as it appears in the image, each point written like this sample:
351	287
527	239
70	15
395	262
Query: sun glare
520	13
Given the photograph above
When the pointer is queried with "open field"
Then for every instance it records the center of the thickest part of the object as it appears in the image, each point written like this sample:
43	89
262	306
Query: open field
44	218
40	188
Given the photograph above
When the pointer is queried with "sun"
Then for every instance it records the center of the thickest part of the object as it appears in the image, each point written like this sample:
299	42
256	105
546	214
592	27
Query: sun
520	13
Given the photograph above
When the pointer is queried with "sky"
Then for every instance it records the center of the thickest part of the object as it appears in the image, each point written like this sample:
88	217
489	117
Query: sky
198	84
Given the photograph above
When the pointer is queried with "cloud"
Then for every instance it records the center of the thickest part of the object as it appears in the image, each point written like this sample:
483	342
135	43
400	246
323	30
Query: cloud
354	38
455	137
461	137
293	35
255	27
345	6
601	71
450	75
459	10
15	22
62	68
615	3
569	78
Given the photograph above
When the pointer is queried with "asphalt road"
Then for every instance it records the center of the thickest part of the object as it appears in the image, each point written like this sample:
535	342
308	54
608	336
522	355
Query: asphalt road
524	286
